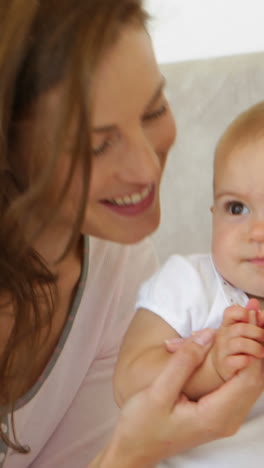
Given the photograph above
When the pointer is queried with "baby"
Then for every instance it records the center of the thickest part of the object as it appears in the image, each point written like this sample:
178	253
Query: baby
191	293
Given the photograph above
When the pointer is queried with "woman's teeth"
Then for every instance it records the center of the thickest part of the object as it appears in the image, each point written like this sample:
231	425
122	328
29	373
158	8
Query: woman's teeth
133	199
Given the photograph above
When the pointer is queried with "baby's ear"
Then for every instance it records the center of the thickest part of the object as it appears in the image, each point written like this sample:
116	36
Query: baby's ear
212	208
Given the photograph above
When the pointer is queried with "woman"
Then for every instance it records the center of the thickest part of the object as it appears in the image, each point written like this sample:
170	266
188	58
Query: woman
85	132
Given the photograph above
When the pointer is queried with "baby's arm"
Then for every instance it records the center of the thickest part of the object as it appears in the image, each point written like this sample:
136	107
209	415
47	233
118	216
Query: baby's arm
143	355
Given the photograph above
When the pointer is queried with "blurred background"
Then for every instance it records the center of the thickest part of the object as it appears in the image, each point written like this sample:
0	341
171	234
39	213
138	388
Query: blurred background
191	29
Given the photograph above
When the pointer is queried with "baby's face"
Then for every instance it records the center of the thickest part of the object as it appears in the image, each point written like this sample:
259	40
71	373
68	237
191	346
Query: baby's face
238	217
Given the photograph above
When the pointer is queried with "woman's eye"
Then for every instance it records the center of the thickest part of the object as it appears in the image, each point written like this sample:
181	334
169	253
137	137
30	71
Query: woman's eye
156	114
101	149
237	208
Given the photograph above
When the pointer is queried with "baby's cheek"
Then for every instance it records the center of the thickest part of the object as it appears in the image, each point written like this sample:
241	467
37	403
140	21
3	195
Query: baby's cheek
224	254
221	249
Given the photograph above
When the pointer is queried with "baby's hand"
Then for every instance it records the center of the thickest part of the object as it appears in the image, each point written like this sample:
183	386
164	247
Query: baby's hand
237	342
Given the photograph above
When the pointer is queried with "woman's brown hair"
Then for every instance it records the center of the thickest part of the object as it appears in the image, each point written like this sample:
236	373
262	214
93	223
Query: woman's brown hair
43	43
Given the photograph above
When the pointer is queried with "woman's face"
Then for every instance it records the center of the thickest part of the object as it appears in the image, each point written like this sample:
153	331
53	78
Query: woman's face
133	129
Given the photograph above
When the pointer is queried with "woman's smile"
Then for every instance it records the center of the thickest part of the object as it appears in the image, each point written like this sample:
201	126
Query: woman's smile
134	204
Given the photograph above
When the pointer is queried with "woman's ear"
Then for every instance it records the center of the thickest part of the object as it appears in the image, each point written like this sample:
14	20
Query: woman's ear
212	208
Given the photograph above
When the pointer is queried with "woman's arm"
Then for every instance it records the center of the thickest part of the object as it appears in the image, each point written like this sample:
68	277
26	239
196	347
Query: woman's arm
139	433
159	421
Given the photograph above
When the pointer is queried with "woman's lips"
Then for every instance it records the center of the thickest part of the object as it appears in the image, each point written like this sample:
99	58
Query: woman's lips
132	209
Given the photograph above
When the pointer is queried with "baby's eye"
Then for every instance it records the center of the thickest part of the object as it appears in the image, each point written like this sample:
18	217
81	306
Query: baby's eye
237	208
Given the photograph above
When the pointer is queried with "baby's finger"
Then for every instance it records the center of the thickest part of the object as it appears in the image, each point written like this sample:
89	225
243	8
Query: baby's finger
253	304
235	314
253	308
252	317
244	330
237	362
260	318
240	345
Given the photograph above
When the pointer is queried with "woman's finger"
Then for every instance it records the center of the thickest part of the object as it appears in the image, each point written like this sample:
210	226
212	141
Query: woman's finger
235	398
168	386
202	337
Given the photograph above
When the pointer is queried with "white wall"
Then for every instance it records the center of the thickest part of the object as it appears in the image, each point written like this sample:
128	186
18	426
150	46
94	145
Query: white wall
189	29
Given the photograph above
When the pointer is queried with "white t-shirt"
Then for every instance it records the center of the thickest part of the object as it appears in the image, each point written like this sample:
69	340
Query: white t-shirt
189	294
66	417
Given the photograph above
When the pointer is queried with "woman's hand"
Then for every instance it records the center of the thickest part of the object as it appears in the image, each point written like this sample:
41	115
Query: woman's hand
159	421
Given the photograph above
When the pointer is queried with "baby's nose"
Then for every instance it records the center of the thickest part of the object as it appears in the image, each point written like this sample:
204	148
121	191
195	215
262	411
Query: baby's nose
257	231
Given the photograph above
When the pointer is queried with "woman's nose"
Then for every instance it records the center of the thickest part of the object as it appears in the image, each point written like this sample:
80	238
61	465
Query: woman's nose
141	163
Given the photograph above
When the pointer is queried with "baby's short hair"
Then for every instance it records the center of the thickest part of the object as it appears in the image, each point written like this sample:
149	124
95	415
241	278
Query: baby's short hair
246	126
